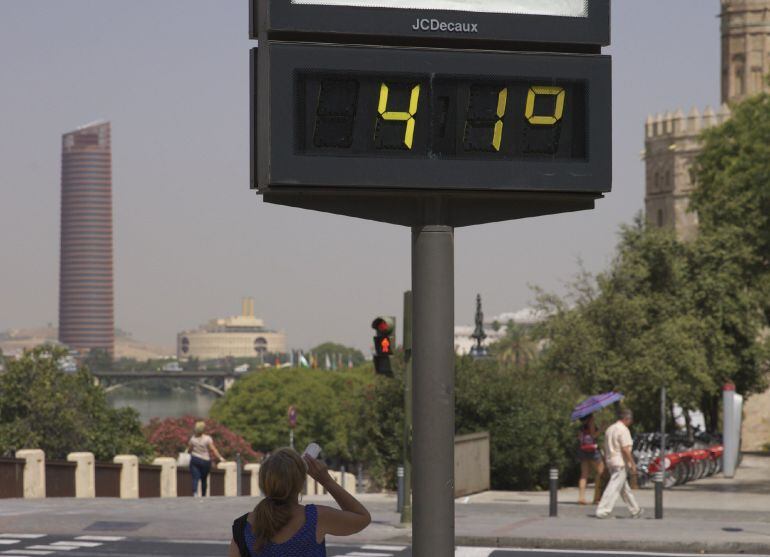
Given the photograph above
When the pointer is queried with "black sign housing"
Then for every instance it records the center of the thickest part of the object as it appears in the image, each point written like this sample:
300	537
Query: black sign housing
363	25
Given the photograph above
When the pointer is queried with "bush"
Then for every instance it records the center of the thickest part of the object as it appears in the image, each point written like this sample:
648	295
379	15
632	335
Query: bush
329	409
170	436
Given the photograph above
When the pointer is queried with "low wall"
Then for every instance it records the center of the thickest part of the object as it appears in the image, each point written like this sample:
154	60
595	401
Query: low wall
59	478
149	481
107	475
472	469
33	476
11	477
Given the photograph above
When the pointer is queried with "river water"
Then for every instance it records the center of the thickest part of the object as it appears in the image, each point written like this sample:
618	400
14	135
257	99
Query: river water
173	404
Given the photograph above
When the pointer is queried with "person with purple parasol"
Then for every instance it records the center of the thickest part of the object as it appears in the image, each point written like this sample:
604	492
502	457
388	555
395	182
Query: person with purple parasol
589	454
589	457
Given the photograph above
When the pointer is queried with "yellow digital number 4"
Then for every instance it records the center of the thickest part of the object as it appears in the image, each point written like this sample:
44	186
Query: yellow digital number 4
407	117
558	113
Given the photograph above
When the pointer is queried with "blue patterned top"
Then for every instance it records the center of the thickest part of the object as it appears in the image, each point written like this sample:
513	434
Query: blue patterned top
301	544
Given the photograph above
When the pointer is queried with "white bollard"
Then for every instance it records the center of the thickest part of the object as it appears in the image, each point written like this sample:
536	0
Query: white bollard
167	475
254	484
85	474
34	472
731	429
231	478
129	475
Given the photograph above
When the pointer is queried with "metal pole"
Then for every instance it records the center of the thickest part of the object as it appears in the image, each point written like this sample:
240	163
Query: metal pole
553	487
433	397
406	508
660	477
291	438
400	497
239	475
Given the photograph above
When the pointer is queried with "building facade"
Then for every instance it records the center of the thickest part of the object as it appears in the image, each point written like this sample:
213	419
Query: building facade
672	140
242	336
86	314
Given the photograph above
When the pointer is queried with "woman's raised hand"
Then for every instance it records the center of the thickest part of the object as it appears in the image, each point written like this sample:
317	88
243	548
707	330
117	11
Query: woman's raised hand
317	469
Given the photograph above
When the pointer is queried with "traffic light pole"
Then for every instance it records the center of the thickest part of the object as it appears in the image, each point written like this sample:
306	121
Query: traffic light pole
433	396
406	510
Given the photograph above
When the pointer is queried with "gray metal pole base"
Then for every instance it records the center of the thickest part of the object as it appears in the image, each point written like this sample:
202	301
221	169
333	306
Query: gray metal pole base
433	526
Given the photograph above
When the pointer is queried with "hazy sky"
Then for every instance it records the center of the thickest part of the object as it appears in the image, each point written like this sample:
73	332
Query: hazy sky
190	237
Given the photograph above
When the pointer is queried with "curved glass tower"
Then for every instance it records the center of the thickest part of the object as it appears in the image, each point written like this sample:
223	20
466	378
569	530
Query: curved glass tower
86	319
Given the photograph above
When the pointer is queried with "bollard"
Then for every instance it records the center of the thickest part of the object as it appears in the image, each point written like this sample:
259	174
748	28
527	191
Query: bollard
360	479
239	475
659	478
400	498
553	485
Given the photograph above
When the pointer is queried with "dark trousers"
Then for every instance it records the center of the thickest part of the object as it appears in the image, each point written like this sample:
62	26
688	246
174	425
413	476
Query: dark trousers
199	469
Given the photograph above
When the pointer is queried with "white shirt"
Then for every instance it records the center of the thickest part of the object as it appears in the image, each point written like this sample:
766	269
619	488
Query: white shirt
616	437
200	446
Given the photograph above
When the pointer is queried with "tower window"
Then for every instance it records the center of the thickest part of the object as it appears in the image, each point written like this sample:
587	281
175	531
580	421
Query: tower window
660	218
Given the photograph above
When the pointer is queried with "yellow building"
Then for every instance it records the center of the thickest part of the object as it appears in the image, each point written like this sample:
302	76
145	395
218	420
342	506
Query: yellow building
241	336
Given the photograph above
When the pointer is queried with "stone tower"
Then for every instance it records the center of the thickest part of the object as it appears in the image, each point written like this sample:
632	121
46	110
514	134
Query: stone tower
671	140
745	48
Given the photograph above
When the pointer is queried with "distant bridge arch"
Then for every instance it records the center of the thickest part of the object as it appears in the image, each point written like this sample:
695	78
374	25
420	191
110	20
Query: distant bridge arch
113	380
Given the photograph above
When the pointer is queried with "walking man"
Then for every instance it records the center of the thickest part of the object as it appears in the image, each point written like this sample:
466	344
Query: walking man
618	445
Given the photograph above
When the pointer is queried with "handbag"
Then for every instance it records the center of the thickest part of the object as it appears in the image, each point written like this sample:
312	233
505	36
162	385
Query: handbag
183	460
239	535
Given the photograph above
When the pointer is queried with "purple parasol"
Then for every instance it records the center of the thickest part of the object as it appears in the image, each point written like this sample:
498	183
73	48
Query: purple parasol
595	403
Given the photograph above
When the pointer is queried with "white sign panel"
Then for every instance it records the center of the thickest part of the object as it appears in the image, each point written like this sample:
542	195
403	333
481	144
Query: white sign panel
563	8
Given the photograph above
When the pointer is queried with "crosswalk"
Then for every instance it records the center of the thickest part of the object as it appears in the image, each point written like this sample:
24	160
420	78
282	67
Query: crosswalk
33	545
42	545
367	550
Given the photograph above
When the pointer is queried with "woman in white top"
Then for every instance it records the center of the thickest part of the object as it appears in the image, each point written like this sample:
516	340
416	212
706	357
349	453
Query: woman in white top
200	448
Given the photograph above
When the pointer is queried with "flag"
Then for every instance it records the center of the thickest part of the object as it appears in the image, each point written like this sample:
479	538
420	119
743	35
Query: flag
303	361
327	362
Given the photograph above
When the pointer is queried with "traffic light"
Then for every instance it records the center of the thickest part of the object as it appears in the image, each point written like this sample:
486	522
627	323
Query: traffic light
384	343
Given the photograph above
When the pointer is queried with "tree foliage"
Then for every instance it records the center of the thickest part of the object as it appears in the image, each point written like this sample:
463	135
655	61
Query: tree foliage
666	313
46	408
328	405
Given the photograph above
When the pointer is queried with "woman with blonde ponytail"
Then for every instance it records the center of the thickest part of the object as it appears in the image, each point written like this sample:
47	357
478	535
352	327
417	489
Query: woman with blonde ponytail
280	526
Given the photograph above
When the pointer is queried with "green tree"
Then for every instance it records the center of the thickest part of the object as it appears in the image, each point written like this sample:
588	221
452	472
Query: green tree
328	408
732	199
46	408
526	412
517	348
665	313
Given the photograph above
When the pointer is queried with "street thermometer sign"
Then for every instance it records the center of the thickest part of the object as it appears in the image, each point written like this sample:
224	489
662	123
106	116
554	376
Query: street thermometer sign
472	99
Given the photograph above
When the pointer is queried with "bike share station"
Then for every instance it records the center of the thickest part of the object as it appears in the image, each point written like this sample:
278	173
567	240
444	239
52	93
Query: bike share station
432	114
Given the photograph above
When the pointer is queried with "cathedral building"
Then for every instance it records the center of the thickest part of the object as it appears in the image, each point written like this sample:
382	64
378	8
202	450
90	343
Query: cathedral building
672	139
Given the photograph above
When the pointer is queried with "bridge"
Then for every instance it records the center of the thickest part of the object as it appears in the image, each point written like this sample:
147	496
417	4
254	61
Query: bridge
222	379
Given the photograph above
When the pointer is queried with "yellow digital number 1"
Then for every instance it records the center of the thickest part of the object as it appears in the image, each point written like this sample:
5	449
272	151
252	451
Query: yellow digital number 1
407	117
558	112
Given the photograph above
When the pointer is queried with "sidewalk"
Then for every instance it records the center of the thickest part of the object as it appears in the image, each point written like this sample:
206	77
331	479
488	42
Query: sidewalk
714	515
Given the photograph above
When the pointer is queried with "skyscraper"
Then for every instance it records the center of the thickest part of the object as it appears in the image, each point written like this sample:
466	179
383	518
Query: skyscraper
86	318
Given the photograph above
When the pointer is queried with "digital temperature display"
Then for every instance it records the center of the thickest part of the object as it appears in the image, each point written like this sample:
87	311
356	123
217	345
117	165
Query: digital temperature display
392	115
374	117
